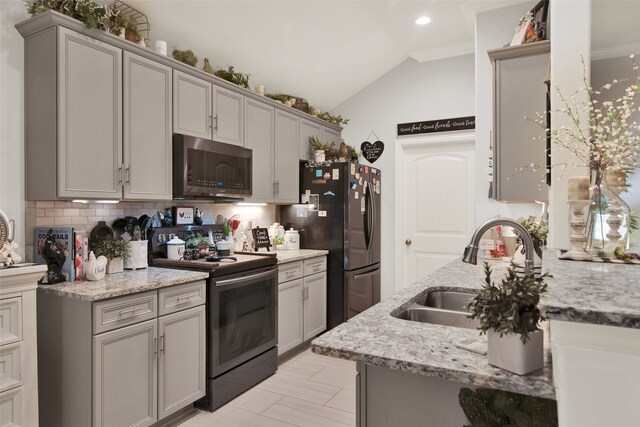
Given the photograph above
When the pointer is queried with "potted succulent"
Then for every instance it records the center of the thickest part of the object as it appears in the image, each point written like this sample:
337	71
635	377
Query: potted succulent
319	148
115	250
509	314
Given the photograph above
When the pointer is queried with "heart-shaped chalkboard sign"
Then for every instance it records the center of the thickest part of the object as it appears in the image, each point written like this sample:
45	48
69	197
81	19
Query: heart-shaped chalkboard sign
372	152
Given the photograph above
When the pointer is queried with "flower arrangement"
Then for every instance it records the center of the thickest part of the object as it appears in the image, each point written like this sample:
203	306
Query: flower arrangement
234	77
511	307
538	229
611	138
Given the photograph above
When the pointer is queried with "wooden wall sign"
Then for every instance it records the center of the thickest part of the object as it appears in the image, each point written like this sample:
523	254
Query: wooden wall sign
433	126
261	238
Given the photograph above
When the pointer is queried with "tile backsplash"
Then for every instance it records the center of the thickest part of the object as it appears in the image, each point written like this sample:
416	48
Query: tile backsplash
84	216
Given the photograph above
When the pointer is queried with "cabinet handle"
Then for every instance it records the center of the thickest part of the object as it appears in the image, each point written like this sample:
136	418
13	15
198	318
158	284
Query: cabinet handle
155	346
123	313
211	122
185	297
277	187
215	122
127	175
161	343
120	176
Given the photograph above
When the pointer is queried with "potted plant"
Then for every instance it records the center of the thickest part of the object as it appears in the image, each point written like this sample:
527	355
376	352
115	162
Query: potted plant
115	250
92	13
234	77
510	316
319	148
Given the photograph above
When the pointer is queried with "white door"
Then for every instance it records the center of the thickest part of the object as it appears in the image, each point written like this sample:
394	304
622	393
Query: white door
436	204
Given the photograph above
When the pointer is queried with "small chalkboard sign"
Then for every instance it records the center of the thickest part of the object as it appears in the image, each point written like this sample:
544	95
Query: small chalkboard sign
261	238
217	236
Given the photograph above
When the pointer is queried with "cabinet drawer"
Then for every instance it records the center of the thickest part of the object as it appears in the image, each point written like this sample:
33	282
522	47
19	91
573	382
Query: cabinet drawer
116	313
11	407
10	320
176	298
315	265
290	271
10	369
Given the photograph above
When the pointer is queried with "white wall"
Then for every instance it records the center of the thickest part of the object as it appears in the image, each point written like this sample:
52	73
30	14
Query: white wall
410	92
11	116
494	29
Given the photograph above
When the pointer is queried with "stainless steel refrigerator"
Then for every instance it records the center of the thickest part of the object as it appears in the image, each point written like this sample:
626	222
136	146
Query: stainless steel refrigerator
340	211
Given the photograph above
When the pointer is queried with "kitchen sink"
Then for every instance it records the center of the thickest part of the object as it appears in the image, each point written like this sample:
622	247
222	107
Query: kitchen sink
447	300
448	308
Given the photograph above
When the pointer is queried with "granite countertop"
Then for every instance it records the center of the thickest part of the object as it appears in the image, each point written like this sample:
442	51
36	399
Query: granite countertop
376	337
592	292
128	282
300	254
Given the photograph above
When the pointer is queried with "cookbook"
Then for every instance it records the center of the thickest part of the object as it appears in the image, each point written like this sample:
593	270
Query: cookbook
65	241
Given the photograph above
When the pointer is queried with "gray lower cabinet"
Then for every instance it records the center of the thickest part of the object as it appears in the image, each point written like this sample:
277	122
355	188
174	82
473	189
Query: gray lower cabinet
308	129
286	168
127	361
125	383
147	128
192	106
302	301
258	136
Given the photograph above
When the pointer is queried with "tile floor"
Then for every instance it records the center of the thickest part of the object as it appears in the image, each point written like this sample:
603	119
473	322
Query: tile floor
308	390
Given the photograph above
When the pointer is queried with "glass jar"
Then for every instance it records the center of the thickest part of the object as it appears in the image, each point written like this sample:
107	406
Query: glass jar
609	216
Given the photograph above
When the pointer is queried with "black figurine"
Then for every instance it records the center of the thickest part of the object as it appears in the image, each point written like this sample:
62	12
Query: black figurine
55	259
168	218
198	217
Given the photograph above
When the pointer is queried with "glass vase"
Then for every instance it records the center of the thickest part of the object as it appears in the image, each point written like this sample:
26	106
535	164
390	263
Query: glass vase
609	218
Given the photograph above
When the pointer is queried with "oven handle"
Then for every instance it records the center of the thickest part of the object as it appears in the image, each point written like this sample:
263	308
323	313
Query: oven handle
245	279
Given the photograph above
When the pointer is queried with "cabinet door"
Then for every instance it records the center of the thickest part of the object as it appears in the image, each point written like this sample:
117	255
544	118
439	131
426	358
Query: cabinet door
125	376
89	117
258	130
289	315
228	109
516	144
147	129
191	106
315	304
181	369
329	135
287	165
11	408
308	129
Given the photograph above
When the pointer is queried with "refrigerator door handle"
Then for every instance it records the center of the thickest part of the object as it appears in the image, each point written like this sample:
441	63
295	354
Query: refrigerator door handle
367	274
367	218
373	215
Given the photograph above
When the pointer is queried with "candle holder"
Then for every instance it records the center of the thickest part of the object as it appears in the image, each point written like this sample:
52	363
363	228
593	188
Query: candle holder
578	236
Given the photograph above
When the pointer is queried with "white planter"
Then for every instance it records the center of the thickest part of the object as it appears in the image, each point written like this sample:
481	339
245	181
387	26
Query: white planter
115	266
137	255
319	156
508	352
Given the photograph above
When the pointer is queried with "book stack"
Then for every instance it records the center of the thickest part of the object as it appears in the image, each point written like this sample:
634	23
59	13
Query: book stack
73	245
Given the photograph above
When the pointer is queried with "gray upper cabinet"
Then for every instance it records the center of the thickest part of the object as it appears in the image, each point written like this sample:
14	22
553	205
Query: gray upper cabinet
90	117
147	128
192	106
182	367
330	135
258	136
228	112
519	91
286	165
88	122
308	129
125	376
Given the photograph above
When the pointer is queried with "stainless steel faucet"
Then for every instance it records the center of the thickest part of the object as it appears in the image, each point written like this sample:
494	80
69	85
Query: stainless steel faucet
471	252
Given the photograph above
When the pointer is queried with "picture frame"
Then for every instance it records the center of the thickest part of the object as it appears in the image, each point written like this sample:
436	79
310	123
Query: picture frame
183	215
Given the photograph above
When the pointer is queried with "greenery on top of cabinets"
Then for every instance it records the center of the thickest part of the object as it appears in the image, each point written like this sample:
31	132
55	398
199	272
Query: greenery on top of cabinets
185	56
92	13
234	77
496	408
336	120
511	307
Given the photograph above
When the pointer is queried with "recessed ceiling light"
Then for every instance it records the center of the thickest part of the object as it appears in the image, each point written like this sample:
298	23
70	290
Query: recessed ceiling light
423	20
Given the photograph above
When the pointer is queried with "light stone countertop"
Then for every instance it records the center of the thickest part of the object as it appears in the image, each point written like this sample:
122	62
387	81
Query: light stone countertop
128	282
291	256
16	271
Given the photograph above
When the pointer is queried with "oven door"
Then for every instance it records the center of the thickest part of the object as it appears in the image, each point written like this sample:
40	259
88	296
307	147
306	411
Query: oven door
243	318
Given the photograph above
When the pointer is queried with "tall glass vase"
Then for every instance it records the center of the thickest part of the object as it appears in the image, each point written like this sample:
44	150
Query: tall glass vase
609	216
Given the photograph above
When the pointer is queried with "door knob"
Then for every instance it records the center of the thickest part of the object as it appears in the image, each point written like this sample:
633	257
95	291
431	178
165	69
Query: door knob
408	242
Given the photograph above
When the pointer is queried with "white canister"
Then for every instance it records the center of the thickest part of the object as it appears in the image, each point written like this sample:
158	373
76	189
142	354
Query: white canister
137	255
96	268
161	47
291	240
281	231
175	249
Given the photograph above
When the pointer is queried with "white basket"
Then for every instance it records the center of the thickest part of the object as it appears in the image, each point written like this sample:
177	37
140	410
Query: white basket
137	256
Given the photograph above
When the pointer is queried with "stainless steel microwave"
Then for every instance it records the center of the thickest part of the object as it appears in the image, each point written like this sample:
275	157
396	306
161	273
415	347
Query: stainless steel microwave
205	169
